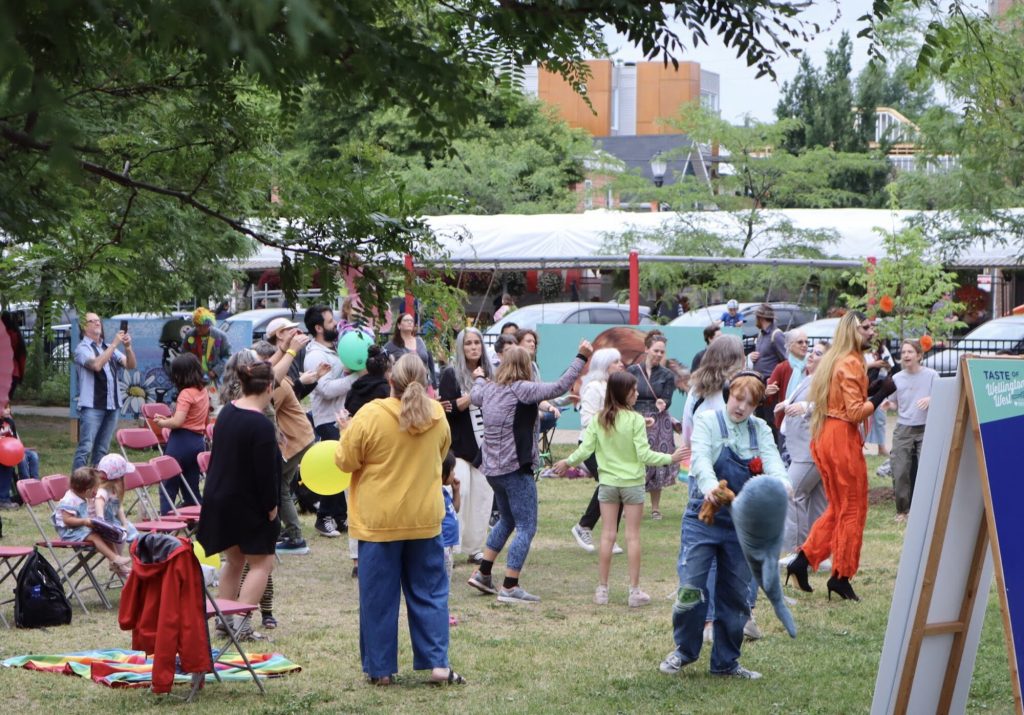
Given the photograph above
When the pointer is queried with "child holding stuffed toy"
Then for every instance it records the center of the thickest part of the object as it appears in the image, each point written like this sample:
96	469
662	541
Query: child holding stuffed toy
619	437
733	446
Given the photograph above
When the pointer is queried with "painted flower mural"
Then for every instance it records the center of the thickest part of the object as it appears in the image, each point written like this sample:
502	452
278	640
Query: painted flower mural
135	391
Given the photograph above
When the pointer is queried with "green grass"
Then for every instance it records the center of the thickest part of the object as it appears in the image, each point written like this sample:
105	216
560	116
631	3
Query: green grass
564	655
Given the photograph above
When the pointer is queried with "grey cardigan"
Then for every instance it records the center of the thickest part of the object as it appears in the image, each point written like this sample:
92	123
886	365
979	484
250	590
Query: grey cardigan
510	416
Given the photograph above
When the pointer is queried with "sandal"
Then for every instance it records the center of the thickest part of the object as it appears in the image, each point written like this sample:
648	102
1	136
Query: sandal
656	515
452	679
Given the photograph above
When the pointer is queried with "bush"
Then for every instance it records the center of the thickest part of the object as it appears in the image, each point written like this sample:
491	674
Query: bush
54	390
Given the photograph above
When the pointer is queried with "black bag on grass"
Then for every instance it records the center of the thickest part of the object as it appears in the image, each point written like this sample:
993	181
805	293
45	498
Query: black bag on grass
39	599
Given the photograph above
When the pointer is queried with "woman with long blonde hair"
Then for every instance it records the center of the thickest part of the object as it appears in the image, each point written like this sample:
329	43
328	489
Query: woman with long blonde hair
839	392
394	448
509	410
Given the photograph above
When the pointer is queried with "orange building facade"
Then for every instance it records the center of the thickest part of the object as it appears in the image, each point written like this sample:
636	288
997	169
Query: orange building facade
626	98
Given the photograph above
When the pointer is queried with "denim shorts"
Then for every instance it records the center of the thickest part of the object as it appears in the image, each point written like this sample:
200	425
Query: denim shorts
620	495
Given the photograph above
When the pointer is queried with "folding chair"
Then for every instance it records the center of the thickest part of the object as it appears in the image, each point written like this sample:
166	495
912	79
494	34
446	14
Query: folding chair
222	607
57	485
214	607
151	410
209	434
168	468
35	493
134	482
140	438
11	558
204	461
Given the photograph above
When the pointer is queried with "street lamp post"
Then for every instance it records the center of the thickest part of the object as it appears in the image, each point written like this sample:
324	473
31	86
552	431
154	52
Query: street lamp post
658	168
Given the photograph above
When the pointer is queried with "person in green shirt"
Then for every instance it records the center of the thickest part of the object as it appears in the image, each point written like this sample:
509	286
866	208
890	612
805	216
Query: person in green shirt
619	437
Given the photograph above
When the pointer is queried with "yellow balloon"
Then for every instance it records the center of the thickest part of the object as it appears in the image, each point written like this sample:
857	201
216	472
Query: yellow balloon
319	472
213	561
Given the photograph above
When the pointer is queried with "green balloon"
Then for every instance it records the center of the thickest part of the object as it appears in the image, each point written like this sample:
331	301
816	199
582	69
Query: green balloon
353	349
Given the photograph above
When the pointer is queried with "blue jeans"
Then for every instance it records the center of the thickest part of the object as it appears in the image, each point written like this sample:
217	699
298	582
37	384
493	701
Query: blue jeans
702	546
95	429
29	467
185	446
388	569
6	480
712	577
516	497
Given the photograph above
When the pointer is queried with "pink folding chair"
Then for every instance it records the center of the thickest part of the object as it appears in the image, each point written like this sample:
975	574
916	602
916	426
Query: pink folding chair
209	434
11	558
138	438
34	493
168	468
204	461
57	485
156	409
138	483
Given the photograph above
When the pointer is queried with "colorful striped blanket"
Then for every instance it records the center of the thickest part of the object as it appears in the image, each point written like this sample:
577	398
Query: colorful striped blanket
132	669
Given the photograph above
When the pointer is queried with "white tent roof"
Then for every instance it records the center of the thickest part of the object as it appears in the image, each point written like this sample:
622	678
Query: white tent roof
566	238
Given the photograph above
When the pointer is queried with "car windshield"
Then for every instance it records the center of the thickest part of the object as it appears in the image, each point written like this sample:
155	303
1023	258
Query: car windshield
532	315
997	330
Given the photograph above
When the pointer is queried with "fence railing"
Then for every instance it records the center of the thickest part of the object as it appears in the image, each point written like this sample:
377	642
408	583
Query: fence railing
57	351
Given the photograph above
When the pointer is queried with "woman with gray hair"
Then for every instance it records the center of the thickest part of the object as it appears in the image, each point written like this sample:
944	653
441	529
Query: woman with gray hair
603	363
467	428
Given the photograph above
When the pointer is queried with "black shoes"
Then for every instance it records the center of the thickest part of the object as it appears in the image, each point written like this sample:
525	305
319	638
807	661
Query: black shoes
798	568
842	588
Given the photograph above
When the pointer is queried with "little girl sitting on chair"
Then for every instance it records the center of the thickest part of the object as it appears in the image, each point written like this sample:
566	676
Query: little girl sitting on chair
110	495
71	517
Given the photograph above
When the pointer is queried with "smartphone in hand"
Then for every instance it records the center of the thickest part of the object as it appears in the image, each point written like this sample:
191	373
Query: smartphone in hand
124	326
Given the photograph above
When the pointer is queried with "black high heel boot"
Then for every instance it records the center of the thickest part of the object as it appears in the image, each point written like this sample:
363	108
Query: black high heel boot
842	588
798	568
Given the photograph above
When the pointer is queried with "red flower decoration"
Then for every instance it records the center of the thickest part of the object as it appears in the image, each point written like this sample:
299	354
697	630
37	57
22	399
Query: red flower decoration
885	304
927	343
756	466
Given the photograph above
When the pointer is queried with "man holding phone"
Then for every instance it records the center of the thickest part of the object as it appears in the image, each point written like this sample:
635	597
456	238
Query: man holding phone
98	366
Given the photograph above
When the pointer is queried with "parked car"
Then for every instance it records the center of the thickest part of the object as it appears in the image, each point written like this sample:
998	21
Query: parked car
575	313
260	319
1003	336
787	316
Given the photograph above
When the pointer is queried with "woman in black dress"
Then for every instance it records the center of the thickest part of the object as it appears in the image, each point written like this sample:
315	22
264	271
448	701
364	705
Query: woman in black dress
239	515
655	384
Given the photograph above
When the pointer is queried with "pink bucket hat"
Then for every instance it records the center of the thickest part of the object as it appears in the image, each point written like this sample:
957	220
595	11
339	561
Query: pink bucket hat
115	466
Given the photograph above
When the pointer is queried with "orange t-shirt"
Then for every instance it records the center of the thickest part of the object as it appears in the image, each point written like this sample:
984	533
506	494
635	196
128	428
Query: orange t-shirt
195	403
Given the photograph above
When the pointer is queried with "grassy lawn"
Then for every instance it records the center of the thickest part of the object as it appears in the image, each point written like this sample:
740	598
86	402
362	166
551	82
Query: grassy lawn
563	655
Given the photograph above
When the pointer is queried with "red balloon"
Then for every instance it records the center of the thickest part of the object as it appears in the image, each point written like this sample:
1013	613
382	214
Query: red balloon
12	451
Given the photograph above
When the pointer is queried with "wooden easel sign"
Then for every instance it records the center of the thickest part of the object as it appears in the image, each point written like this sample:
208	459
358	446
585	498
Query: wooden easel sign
996	389
968	488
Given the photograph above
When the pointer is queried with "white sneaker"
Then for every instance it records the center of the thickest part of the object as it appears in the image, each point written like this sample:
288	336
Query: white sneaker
516	595
584	537
751	631
638	598
616	549
601	595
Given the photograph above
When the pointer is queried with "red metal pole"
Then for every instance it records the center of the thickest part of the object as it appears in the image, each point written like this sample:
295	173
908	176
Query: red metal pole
634	287
409	303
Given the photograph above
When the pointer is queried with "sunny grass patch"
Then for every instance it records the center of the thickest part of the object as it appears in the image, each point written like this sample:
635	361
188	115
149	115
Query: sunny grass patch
564	655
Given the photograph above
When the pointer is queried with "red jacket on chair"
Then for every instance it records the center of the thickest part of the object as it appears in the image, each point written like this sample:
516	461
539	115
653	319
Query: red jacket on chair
164	605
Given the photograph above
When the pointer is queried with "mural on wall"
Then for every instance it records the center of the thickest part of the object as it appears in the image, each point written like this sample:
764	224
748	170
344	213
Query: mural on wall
558	344
156	341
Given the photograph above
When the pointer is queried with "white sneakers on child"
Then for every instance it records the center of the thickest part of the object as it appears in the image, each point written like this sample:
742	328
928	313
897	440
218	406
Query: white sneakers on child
638	598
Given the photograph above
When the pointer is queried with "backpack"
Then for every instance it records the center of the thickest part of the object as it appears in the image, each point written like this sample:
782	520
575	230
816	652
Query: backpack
39	599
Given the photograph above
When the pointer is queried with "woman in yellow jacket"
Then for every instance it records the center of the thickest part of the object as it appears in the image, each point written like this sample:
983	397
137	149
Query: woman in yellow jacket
394	448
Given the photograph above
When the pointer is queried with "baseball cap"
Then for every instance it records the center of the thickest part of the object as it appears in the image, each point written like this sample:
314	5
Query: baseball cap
279	324
115	466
